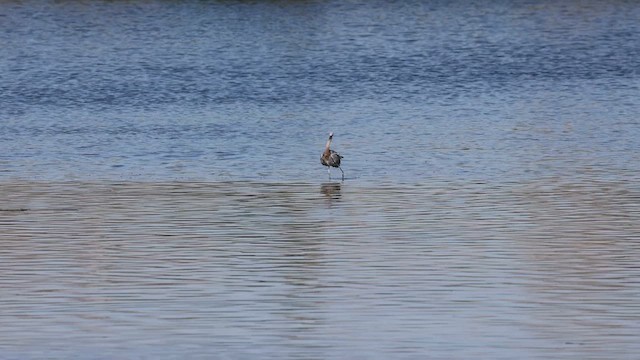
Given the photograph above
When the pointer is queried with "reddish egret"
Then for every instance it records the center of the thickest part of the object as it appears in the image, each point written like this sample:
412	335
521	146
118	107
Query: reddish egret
331	158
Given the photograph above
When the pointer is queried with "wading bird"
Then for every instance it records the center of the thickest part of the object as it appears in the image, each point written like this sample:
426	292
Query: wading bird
331	158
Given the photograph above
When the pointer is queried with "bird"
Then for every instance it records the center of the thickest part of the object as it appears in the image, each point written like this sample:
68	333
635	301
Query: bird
331	158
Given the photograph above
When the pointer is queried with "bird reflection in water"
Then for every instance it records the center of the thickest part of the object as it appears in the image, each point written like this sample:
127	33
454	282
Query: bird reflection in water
331	190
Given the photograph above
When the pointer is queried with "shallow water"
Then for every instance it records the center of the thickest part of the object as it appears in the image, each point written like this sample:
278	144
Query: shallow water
330	270
161	194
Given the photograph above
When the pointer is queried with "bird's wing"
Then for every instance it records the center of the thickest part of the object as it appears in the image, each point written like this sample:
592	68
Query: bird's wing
335	159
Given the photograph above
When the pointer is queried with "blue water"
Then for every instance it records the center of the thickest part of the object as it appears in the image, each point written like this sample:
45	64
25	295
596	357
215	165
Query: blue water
161	194
234	90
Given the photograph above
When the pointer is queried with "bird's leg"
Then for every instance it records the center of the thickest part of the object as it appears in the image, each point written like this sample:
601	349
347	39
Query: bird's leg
341	172
329	171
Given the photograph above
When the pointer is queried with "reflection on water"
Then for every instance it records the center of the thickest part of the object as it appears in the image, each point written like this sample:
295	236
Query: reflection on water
331	190
271	270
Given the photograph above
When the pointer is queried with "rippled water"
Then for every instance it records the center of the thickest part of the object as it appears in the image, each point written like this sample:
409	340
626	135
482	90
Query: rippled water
244	270
161	194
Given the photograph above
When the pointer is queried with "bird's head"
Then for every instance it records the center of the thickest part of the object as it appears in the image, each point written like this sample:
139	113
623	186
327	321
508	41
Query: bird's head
330	135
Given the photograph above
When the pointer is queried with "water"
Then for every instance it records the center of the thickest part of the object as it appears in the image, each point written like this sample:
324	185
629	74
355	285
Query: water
161	194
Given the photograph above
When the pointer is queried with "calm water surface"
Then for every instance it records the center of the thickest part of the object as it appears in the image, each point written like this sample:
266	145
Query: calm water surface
161	194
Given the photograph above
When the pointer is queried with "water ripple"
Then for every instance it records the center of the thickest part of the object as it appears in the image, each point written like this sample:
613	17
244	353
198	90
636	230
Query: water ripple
306	270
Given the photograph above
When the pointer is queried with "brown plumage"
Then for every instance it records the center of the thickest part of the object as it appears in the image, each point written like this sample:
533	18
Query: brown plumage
331	158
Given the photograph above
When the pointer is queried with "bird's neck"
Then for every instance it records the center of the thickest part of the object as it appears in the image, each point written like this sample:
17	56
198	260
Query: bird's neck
326	148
